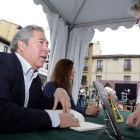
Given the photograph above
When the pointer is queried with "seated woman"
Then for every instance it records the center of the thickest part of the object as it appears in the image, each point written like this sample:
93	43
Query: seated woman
62	76
109	90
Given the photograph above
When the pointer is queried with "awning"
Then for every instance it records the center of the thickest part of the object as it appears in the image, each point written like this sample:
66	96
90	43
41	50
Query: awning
72	24
99	14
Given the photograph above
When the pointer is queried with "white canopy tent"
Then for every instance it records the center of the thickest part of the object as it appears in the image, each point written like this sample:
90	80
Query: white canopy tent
72	24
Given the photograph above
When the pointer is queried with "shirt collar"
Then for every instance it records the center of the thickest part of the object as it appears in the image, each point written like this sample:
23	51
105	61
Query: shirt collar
25	65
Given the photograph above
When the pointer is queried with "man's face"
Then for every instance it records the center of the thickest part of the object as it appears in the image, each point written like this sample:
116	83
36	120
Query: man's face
137	16
36	51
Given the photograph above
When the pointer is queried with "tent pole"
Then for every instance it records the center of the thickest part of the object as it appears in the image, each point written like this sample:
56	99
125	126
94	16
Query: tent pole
67	44
71	26
82	5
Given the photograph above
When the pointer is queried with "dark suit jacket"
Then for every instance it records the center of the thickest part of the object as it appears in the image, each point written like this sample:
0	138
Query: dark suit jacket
13	116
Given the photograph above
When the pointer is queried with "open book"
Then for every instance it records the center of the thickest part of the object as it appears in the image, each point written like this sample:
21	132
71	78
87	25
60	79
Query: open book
84	126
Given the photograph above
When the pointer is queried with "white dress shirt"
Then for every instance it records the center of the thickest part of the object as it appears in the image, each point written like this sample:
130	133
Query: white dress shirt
109	90
29	75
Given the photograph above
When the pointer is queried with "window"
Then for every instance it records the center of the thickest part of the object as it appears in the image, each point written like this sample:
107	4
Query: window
98	78
127	65
127	78
84	80
5	49
85	67
87	52
99	65
47	66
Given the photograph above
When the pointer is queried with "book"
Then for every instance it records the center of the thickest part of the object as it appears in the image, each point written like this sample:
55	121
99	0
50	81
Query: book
84	126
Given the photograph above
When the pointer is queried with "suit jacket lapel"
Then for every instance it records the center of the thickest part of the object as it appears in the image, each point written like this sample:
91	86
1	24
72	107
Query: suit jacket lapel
21	80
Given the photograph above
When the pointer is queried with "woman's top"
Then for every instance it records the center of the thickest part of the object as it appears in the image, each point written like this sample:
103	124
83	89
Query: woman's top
49	90
109	90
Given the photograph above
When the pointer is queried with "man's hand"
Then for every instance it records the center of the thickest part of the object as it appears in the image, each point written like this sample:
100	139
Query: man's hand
134	116
92	111
61	96
68	120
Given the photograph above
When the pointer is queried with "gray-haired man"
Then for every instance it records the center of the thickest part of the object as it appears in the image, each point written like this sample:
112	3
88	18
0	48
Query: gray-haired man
22	101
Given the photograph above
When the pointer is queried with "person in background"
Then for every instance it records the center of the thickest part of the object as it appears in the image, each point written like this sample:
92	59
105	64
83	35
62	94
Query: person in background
82	97
122	96
109	90
93	96
22	101
135	10
125	91
128	103
78	100
62	76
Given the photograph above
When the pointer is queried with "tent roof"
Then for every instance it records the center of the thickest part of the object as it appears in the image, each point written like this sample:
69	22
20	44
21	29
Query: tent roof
100	14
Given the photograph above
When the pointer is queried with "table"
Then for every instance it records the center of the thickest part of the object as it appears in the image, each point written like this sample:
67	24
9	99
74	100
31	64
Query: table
68	134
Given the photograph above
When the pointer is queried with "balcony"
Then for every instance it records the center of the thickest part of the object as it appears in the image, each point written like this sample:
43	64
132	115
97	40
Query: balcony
86	57
128	68
84	83
99	68
85	69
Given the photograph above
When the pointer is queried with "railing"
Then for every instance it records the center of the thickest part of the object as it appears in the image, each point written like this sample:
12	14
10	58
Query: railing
85	69
86	57
84	83
127	68
99	69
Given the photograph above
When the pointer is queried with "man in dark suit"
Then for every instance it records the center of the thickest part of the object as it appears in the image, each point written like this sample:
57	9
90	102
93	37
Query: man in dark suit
22	101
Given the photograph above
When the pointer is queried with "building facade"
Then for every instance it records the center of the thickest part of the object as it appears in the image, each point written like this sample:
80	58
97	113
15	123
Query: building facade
92	49
8	29
122	71
116	67
4	45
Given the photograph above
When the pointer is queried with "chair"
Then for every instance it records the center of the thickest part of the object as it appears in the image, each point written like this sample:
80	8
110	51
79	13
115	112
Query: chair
133	108
125	108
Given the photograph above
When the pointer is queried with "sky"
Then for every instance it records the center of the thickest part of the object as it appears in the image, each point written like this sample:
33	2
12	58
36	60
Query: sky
25	12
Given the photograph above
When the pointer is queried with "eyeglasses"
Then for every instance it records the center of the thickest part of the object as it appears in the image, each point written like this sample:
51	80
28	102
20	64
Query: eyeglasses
137	21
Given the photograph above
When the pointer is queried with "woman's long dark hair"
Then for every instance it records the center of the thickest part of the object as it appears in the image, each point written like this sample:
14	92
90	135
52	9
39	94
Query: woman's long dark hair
61	74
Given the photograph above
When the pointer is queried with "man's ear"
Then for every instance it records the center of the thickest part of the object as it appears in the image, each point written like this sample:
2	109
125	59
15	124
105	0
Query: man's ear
21	45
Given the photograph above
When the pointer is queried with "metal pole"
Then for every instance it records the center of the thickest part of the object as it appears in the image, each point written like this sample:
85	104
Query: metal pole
68	37
106	68
71	26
